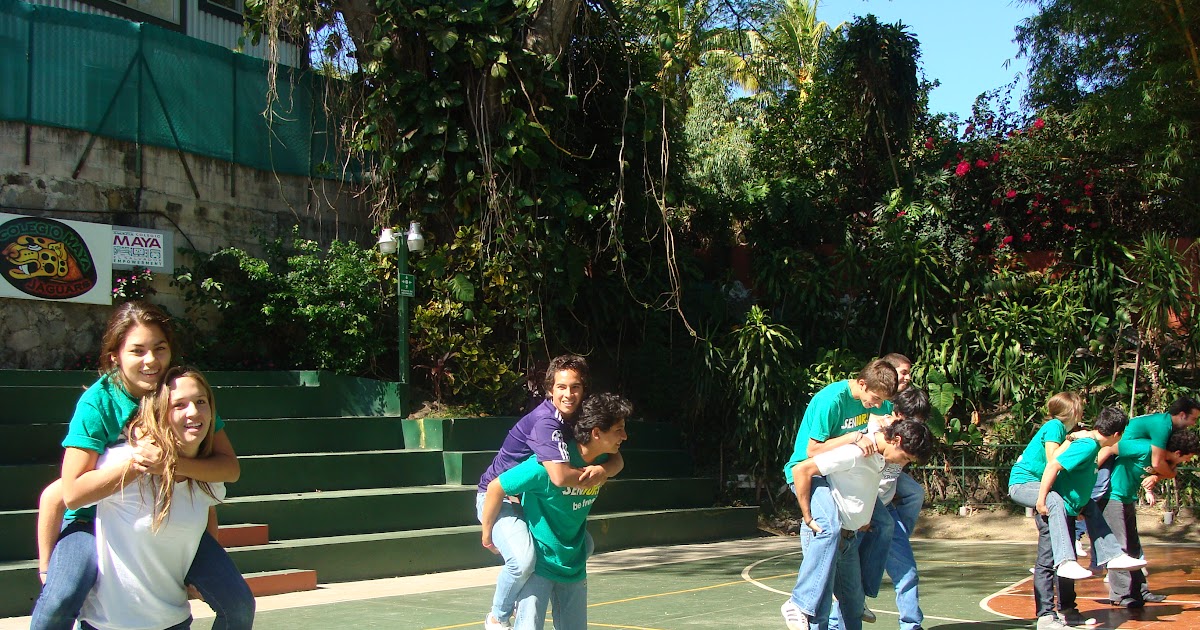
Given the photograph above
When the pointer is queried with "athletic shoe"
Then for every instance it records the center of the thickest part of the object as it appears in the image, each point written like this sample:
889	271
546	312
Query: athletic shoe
868	615
1079	550
490	623
1153	598
1051	622
793	616
1073	570
1072	617
1124	563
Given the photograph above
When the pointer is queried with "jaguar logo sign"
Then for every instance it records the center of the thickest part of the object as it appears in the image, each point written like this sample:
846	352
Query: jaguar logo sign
46	259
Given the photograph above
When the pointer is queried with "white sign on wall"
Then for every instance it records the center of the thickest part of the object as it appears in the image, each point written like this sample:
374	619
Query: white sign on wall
137	248
49	259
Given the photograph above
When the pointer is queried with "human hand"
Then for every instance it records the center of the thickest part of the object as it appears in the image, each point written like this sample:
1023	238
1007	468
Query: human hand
1149	482
1151	498
592	476
813	525
487	542
147	458
864	442
1041	508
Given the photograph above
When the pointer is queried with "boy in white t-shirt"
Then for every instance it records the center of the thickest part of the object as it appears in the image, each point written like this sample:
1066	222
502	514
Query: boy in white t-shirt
853	473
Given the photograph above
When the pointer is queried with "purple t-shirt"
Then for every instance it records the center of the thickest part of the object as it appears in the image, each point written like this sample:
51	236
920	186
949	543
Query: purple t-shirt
541	432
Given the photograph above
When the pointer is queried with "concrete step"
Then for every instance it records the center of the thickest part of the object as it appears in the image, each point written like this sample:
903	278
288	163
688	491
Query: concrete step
83	378
391	554
21	486
308	472
265	583
481	434
243	535
466	467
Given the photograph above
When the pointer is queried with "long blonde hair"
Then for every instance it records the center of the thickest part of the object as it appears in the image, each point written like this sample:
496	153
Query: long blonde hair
1066	406
152	422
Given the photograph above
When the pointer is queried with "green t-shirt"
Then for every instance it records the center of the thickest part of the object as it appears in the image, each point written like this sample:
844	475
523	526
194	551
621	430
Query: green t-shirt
557	517
832	412
1155	427
1075	481
1032	462
1132	460
100	415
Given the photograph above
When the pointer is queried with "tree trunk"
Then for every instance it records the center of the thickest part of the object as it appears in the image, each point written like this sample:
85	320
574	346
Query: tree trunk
552	27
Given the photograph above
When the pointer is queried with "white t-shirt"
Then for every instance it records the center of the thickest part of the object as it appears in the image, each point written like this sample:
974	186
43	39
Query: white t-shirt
140	583
891	472
853	481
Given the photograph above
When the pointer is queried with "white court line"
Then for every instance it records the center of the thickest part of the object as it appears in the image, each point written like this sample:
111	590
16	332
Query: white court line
750	567
986	602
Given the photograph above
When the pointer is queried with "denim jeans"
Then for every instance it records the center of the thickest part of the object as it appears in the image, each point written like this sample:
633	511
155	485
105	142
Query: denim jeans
873	548
909	499
1062	532
1122	518
813	588
568	598
847	588
72	573
1046	582
902	569
511	537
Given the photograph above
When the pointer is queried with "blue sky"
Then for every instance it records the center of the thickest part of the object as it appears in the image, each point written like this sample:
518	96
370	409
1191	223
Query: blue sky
964	43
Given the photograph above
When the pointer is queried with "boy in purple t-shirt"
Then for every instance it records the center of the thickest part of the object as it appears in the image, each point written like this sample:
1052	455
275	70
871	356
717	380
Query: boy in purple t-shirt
543	433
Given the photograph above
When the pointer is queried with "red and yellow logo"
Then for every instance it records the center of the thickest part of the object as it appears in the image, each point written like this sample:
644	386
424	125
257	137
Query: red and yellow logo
45	258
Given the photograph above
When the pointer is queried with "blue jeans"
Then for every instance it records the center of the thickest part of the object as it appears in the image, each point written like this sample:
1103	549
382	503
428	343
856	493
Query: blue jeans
511	537
873	548
847	587
813	583
902	569
72	573
1062	535
569	600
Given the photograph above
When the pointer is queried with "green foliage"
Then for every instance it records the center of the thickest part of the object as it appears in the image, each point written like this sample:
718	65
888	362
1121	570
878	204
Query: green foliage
299	307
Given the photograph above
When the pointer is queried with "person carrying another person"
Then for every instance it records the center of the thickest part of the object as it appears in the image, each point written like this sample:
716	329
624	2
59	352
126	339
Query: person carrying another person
546	433
853	475
836	416
556	517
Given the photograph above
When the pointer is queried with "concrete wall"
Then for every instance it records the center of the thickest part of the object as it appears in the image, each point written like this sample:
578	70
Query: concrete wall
237	206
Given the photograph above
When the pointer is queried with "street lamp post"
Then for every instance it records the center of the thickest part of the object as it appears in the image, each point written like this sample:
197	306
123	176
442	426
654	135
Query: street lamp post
405	289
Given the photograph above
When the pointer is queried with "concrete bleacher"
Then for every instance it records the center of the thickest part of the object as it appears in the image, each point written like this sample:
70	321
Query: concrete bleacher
335	487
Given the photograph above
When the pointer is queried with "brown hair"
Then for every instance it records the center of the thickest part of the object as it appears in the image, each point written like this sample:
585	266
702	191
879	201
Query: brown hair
153	422
567	362
895	359
880	378
123	319
1066	406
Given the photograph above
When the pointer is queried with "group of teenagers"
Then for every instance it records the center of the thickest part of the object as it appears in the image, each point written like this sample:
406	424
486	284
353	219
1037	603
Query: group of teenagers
130	525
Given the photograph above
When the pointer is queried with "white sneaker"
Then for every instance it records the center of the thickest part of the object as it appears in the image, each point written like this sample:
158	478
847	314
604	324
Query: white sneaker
490	623
1124	562
1079	550
793	616
1071	570
1051	622
868	615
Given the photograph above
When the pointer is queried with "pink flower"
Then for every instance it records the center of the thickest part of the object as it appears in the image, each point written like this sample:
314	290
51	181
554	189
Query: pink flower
1068	227
1046	223
1088	189
987	226
1027	237
962	169
974	239
997	201
981	163
928	143
969	130
1039	124
1011	193
996	157
1007	239
1036	202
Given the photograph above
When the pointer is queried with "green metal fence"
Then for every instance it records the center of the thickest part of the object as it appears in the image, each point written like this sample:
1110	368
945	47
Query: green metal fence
141	83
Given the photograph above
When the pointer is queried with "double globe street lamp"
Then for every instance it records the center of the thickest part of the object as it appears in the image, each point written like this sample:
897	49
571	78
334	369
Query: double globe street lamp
405	289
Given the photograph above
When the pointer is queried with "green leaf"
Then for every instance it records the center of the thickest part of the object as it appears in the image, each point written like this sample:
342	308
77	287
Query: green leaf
443	39
462	289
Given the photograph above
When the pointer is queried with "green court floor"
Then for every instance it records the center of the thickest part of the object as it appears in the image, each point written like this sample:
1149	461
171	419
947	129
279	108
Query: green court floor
728	585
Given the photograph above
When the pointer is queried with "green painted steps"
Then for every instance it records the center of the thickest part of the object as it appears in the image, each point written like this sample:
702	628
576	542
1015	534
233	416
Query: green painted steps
416	552
366	511
83	378
481	434
467	467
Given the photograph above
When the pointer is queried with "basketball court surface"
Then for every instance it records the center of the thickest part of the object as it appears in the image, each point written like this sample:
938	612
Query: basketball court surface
736	584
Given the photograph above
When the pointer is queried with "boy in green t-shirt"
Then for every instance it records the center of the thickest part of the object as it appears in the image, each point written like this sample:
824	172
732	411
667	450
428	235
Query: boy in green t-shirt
1132	459
557	517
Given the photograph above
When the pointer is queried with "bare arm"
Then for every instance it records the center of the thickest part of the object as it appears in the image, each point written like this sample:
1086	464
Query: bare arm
564	476
1163	469
802	475
221	466
50	515
490	512
855	437
1106	452
1048	477
83	485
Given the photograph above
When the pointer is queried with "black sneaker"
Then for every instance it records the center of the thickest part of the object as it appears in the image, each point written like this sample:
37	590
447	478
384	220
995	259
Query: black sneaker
1153	598
1129	602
